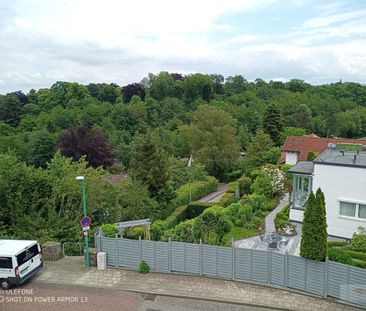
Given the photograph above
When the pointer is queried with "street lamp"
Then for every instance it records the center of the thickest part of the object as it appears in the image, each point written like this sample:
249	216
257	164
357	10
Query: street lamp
82	179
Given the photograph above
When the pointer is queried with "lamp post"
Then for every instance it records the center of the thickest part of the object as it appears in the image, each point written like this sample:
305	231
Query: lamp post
82	179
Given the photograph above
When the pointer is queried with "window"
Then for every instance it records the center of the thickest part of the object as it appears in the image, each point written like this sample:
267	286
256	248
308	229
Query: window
302	188
347	209
27	254
362	211
6	263
350	209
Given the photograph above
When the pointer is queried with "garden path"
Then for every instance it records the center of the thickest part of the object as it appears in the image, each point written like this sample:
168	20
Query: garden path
215	197
269	220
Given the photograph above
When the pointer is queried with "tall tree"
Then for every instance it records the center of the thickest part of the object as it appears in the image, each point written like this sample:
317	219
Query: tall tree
314	231
149	163
272	122
213	140
41	149
82	141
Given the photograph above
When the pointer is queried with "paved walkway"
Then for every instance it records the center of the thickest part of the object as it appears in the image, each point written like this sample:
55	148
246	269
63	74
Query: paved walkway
215	196
71	271
269	221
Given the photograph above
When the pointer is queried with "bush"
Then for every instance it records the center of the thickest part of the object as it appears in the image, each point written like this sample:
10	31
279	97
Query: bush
158	228
338	255
177	216
227	199
359	240
355	254
135	233
227	177
144	267
360	264
337	243
282	218
257	202
245	184
109	230
231	187
195	209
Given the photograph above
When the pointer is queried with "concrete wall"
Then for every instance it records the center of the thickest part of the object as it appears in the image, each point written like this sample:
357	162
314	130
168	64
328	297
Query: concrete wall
291	157
340	183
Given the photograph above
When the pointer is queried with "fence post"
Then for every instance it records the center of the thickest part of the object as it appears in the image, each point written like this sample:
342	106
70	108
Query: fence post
251	263
115	251
233	259
286	270
200	256
140	250
185	259
306	275
170	255
325	293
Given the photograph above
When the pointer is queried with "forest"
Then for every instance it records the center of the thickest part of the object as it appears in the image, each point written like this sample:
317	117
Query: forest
150	129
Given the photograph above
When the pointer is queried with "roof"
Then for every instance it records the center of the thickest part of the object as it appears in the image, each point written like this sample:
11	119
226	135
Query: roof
116	178
342	158
305	144
302	168
13	247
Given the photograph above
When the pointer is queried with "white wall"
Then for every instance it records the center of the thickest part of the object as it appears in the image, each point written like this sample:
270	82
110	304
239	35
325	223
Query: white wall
296	215
291	157
345	183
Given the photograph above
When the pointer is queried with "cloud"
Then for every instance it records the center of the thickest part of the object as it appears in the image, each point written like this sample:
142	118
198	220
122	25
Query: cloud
117	41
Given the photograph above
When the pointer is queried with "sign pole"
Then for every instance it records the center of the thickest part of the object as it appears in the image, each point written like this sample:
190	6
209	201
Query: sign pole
87	262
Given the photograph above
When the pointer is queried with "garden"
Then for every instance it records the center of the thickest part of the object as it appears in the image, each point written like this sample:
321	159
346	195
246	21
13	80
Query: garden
350	253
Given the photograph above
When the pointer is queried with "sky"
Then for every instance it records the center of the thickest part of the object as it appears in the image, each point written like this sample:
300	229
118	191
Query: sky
90	41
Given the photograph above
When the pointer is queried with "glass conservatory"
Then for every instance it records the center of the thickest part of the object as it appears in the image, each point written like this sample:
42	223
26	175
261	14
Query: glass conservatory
301	190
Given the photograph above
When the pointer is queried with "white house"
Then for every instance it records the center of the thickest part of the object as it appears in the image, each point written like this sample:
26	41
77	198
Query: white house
342	177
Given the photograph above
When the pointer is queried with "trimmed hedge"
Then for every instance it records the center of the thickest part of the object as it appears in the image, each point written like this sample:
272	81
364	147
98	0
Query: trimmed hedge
198	190
227	199
359	263
231	187
338	255
337	243
355	254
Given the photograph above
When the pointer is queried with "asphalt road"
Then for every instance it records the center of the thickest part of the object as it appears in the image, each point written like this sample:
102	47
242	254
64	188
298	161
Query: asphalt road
37	296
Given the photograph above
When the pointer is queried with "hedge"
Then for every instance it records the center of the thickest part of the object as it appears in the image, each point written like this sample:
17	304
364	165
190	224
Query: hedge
186	212
198	190
359	263
337	243
282	218
231	187
356	254
227	177
228	198
338	255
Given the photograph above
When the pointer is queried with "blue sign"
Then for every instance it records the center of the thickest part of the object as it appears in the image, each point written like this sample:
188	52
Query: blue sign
85	221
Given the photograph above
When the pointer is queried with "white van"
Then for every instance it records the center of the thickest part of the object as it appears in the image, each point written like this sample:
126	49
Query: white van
19	260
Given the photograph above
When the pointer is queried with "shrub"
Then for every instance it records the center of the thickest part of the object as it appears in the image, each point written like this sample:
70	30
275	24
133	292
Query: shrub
338	255
227	177
158	228
227	199
109	230
231	187
195	209
355	254
337	243
244	185
262	185
360	264
257	202
177	216
359	240
135	233
144	267
282	218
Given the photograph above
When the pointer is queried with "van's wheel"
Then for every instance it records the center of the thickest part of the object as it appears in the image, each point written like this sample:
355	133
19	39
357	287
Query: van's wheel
4	284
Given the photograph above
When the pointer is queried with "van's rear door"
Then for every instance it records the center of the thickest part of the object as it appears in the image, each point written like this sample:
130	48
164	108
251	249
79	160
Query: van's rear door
28	260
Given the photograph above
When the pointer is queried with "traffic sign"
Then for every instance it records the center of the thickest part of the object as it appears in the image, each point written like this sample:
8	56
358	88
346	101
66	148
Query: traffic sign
85	221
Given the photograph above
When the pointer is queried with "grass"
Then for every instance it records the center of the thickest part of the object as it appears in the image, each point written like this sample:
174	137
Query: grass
238	233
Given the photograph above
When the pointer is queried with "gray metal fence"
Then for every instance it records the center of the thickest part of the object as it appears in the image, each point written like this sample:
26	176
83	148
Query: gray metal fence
328	278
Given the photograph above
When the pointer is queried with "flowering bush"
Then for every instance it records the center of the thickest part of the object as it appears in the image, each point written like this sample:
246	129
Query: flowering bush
276	176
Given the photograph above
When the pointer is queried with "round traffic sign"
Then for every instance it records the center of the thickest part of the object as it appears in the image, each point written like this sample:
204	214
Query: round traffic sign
85	221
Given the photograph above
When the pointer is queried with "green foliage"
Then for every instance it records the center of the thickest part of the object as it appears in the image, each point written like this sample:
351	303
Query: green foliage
359	263
41	149
245	185
355	254
109	230
158	228
212	139
291	131
314	231
337	243
262	184
282	218
257	202
311	156
135	233
232	187
227	199
359	240
144	267
340	256
272	122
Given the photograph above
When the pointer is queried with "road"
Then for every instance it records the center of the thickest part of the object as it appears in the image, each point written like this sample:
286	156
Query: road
38	296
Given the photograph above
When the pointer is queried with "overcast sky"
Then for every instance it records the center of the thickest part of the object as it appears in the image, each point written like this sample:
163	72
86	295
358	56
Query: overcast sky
118	41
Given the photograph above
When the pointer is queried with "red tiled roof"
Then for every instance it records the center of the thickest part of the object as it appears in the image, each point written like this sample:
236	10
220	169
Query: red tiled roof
305	144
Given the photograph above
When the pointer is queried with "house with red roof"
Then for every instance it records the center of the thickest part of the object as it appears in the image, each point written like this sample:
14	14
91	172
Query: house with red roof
297	148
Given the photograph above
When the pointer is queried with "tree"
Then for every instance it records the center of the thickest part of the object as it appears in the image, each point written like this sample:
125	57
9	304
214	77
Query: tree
291	131
161	86
149	163
213	140
258	150
133	89
11	109
302	117
272	122
82	141
314	230
198	86
41	149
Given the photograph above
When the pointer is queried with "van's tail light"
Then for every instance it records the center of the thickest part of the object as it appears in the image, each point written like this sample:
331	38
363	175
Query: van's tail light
16	271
